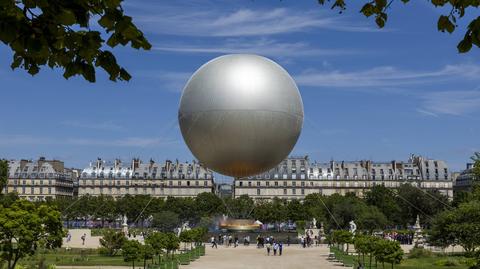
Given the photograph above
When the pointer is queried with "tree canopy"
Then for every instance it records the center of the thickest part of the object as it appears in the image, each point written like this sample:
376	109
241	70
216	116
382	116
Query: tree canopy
458	226
24	227
112	241
69	35
446	23
476	165
3	174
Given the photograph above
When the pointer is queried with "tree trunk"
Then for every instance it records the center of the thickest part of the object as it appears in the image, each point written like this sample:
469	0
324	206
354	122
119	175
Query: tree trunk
144	263
15	260
133	264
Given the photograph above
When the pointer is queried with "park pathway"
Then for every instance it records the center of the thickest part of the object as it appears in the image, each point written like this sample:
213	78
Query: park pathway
242	257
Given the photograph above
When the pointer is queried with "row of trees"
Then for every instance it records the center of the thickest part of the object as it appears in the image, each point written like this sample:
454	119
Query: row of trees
380	208
375	248
157	244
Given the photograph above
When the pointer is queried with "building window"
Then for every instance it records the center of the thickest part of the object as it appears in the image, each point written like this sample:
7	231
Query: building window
188	183
258	183
276	183
267	184
179	183
284	191
205	183
249	183
240	183
285	183
303	191
294	191
258	191
170	183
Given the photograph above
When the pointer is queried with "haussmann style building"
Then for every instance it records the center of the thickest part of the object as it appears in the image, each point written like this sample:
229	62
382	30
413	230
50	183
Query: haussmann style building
465	179
297	177
40	179
149	178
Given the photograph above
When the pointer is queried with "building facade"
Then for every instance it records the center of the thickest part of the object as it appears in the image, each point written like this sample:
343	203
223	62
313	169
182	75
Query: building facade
150	178
464	181
40	179
297	177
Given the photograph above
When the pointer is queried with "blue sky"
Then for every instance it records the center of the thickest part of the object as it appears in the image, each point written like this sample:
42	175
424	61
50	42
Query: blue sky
368	93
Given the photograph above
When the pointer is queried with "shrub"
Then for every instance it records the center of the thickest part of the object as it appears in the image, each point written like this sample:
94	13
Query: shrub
104	251
416	253
446	262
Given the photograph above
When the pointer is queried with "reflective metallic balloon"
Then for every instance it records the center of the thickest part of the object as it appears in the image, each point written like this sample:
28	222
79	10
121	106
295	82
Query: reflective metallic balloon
240	115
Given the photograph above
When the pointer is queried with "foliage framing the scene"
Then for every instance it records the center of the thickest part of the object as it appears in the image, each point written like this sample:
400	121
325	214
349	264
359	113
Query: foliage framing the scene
63	34
447	22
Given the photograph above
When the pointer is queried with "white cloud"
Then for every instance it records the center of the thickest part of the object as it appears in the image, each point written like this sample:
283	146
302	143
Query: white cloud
104	126
24	140
427	113
241	22
262	46
454	103
386	76
168	80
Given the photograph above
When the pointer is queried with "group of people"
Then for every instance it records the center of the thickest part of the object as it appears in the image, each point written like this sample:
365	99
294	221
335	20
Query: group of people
404	239
308	241
228	240
270	244
275	247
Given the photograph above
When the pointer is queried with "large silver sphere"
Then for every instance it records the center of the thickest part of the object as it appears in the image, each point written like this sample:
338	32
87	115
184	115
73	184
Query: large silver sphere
240	114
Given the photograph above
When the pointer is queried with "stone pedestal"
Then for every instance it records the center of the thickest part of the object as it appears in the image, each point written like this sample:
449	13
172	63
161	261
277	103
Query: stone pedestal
418	239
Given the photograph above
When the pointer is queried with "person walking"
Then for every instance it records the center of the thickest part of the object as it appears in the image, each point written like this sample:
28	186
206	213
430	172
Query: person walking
275	248
268	249
84	236
214	244
280	249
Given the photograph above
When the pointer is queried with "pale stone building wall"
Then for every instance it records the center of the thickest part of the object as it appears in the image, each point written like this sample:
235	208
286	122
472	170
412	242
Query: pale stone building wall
151	178
40	179
296	177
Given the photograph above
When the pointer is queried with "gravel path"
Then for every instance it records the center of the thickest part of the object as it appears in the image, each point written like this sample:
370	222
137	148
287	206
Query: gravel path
242	257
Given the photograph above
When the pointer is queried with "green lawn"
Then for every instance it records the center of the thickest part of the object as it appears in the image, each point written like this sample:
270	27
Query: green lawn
430	263
78	257
436	262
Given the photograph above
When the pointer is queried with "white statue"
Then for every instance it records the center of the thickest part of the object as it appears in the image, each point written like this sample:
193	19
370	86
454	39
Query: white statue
125	225
314	223
353	227
185	227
